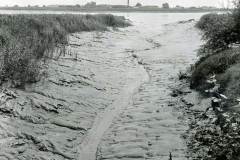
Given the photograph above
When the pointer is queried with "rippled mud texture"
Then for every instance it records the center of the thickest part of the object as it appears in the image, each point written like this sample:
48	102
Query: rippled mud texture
50	118
150	127
109	95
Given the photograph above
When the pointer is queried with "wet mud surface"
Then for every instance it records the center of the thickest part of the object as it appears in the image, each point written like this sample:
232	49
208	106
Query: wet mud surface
151	127
107	98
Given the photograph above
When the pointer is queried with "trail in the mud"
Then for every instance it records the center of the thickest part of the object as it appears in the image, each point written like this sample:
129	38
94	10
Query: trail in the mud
88	147
109	93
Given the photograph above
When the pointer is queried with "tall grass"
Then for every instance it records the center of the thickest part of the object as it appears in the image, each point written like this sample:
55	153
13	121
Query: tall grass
216	63
229	81
26	39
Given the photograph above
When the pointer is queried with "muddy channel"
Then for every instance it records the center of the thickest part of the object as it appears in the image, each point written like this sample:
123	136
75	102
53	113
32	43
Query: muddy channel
108	97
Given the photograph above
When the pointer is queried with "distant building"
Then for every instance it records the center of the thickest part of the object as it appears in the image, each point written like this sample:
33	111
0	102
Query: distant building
179	7
165	5
193	7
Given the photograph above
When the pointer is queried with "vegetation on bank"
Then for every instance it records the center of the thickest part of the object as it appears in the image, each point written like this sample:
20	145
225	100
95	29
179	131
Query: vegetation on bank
218	31
217	73
220	52
214	64
25	40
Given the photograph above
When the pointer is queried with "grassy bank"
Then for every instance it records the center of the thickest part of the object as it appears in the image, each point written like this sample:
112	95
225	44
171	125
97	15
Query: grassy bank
27	39
217	74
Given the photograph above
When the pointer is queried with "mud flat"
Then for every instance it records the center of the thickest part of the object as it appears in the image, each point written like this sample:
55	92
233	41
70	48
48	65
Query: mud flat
50	119
107	98
153	126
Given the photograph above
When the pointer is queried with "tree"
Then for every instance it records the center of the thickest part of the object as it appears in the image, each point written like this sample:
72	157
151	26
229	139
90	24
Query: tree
138	5
90	4
165	5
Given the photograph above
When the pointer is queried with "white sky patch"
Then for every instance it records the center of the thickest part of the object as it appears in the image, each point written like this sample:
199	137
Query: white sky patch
186	3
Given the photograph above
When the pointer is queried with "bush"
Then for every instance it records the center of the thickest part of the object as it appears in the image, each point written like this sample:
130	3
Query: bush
218	32
26	39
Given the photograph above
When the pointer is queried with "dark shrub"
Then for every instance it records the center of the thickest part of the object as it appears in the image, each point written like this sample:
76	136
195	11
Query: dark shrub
218	32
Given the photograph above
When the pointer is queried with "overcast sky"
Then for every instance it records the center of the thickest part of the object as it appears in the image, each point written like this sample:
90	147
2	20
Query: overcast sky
186	3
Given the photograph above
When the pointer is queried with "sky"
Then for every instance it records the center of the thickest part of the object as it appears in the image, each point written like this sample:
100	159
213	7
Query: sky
185	3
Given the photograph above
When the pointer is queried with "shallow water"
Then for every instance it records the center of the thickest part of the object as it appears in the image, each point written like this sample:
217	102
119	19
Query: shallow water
108	97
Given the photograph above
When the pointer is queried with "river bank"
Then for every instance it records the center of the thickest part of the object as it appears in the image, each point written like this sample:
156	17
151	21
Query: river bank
216	76
28	41
213	130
